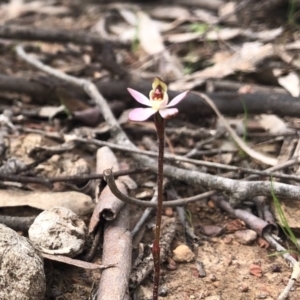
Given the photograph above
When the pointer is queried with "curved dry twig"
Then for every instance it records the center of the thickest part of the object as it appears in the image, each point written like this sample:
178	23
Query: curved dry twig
257	155
109	178
295	264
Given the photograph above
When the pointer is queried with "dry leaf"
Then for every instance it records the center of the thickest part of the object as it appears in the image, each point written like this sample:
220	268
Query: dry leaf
223	34
183	37
129	16
148	34
291	83
211	230
235	225
262	243
272	124
229	10
73	262
244	60
256	270
205	16
51	48
79	203
172	13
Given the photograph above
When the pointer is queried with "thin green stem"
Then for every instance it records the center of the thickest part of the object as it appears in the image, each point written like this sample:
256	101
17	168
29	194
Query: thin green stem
160	127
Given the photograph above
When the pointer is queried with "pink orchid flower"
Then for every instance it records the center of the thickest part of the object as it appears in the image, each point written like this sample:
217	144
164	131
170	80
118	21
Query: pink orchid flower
158	102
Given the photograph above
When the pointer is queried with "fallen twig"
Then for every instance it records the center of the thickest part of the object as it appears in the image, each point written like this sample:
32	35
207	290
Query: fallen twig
17	223
51	35
146	265
257	155
108	176
295	264
144	216
209	164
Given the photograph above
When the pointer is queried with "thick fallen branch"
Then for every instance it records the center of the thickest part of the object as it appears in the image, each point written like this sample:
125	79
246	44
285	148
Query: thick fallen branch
51	35
116	250
194	106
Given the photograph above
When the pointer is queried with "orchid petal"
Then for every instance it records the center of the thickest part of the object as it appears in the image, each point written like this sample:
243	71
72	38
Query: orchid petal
177	99
168	112
141	114
139	97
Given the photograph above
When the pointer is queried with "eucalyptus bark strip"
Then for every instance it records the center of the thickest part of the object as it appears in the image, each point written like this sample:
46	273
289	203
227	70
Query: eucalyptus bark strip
117	250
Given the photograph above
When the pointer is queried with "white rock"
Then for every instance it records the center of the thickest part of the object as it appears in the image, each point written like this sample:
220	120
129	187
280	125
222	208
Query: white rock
245	237
58	231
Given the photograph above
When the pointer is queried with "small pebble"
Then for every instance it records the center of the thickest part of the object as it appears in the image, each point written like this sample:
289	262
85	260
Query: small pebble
143	293
212	277
243	288
163	291
275	268
169	211
262	296
171	264
228	239
183	254
213	298
245	237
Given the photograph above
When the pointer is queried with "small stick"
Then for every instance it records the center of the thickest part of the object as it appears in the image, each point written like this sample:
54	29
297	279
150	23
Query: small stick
17	223
209	164
144	216
142	270
91	253
257	155
49	181
296	266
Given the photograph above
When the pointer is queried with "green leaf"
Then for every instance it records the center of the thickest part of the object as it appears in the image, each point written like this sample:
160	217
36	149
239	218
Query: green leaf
284	223
200	28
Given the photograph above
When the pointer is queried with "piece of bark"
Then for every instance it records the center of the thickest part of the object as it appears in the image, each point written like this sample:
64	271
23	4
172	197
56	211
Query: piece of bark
22	274
291	211
79	203
107	205
75	262
117	248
